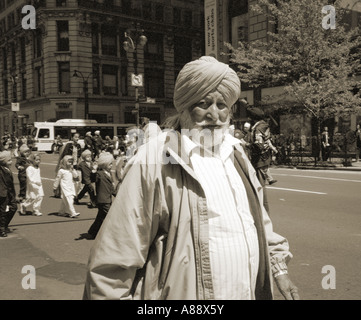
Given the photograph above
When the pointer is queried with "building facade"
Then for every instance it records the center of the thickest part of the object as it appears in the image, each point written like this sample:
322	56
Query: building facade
74	60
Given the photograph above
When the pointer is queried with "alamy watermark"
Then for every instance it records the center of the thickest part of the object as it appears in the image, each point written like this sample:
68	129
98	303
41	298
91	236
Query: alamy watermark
29	280
329	280
329	20
29	21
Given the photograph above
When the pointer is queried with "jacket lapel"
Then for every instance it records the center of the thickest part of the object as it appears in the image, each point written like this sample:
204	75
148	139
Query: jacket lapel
263	285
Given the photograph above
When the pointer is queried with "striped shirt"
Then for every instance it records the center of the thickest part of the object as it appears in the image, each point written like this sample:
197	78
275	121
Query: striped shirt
233	242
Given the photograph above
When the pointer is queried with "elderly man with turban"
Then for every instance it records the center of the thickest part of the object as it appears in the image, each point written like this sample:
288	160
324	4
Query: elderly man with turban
8	204
188	220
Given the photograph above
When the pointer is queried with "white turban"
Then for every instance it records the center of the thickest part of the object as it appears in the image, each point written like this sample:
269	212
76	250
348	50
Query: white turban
200	77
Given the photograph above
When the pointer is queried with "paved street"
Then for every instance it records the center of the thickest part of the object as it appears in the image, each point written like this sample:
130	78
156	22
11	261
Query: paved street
318	211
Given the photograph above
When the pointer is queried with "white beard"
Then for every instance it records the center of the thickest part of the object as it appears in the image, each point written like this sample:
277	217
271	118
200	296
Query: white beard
201	135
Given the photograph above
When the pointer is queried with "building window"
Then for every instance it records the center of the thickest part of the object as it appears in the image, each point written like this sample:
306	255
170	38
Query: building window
110	80
63	35
237	7
154	82
23	86
64	77
154	48
2	27
5	59
38	44
37	82
127	7
95	38
22	50
15	92
11	20
108	4
147	10
243	34
109	40
188	18
60	3
177	16
124	80
159	12
63	115
13	55
96	79
6	93
182	50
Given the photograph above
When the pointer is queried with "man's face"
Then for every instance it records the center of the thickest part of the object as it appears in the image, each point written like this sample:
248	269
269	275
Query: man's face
208	120
76	138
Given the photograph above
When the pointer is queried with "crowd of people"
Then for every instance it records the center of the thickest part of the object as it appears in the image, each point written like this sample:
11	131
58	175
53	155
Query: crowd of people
79	171
177	234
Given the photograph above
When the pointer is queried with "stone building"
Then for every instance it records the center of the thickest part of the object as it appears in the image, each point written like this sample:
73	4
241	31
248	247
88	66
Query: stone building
37	68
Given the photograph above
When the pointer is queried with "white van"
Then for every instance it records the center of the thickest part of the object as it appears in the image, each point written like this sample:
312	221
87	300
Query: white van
45	133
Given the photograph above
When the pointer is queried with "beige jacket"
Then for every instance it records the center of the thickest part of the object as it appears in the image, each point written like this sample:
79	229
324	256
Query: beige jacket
153	243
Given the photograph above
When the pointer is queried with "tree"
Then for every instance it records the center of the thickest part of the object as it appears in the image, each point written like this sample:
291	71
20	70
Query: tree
316	66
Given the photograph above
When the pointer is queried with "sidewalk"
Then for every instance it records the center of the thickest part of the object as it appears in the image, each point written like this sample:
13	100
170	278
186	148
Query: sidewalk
333	165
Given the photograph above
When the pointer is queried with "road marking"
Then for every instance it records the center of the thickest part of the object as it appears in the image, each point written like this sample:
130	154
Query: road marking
313	177
295	190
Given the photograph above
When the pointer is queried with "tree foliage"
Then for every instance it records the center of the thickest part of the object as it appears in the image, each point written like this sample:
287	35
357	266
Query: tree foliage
317	67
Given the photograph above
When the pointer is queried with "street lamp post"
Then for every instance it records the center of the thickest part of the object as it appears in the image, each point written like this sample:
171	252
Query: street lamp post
85	89
130	45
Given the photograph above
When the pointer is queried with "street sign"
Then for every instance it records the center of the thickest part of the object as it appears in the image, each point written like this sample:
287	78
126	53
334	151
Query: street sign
137	80
147	100
150	100
15	106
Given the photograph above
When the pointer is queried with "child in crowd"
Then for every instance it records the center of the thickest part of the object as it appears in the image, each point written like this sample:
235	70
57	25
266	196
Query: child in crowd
34	187
8	204
22	162
66	177
104	190
88	171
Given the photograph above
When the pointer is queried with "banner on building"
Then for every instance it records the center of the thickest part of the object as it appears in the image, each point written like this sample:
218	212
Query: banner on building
210	20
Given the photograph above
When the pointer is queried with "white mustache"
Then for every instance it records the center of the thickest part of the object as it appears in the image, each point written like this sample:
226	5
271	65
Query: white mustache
206	123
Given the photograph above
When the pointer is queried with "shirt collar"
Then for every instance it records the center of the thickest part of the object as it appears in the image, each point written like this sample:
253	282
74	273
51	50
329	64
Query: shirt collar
225	150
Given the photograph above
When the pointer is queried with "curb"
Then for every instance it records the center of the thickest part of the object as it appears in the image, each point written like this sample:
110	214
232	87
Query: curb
321	168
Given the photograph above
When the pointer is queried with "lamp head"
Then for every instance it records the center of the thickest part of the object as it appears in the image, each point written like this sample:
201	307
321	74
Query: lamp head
142	40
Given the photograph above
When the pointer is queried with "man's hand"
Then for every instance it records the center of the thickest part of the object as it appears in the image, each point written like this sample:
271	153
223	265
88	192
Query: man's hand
286	287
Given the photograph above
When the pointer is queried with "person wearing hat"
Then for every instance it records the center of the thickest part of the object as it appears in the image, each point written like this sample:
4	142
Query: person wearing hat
245	136
188	221
104	191
22	162
89	143
8	204
88	170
